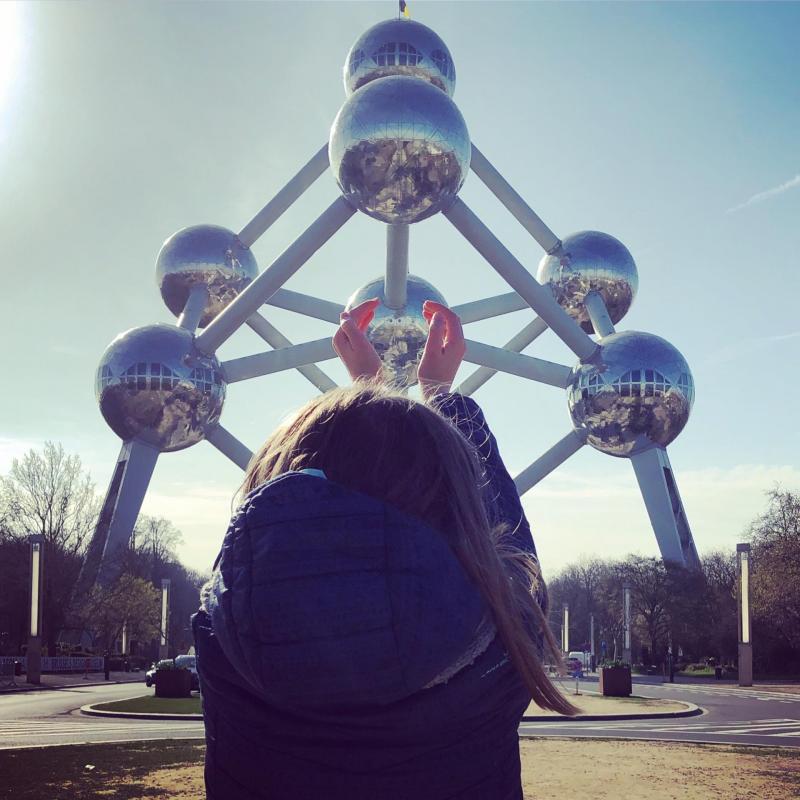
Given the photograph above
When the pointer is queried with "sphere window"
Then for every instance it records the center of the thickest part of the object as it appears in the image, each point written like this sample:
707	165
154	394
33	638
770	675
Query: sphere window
203	379
158	376
393	53
356	60
443	64
631	384
105	377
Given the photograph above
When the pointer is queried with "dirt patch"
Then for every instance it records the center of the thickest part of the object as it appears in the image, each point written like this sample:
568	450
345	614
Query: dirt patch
552	769
589	703
608	770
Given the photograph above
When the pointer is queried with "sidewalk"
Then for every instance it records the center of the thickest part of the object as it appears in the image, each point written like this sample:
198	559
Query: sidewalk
73	680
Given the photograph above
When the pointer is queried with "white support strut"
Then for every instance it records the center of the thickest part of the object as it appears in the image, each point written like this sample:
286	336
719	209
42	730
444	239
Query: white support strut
307	305
550	460
489	307
516	344
274	338
229	446
298	355
535	369
538	297
598	314
285	197
395	285
504	192
195	306
272	278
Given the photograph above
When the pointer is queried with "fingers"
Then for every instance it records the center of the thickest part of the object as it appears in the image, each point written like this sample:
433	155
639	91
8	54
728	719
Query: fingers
454	334
363	312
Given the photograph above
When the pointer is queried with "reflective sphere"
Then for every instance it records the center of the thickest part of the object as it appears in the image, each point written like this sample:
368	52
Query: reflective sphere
591	261
399	47
154	385
207	255
399	334
635	394
399	149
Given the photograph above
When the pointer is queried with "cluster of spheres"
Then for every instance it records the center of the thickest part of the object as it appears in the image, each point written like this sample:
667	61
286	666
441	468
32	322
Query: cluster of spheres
399	151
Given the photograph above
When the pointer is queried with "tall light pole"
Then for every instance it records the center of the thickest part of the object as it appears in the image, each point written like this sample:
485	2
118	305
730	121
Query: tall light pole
565	629
626	622
163	650
34	652
591	639
745	641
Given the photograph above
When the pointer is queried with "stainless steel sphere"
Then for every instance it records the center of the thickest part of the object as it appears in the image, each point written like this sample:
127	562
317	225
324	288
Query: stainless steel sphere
399	47
635	394
399	149
591	261
154	385
207	255
399	334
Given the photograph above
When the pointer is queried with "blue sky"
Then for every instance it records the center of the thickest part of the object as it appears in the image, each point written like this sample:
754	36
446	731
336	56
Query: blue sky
671	126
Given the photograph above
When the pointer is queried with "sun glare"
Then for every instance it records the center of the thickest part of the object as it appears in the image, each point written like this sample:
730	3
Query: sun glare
10	45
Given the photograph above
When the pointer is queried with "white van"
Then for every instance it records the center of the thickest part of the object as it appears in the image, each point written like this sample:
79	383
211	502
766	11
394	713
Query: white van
585	659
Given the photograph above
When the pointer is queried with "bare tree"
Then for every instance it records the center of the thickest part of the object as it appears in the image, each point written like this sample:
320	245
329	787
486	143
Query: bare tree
47	492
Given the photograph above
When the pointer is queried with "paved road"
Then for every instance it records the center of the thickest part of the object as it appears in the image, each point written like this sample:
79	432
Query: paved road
50	717
733	716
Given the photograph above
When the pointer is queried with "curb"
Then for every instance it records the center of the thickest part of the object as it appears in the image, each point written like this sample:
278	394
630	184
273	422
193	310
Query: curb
691	710
45	688
91	711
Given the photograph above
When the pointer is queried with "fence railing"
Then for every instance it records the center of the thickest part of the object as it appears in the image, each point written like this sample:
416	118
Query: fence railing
59	663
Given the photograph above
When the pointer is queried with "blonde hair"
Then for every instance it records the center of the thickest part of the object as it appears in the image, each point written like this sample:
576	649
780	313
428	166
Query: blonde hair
377	441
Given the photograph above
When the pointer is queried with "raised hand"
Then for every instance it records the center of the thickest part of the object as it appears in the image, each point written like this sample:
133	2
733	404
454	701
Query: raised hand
351	344
444	349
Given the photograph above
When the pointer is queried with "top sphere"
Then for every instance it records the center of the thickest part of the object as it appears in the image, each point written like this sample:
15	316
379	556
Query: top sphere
634	394
591	261
155	386
206	255
399	47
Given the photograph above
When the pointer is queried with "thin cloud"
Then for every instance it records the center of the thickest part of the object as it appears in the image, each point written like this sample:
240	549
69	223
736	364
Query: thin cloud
767	195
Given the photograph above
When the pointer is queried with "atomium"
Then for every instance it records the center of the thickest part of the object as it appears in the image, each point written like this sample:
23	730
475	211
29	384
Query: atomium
399	47
586	262
153	385
399	151
398	334
635	394
204	255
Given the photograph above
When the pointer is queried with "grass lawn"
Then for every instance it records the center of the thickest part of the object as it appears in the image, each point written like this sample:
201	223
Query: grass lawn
150	704
552	769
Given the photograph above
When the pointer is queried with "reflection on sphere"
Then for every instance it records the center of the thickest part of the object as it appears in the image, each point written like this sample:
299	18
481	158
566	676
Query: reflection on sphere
591	261
205	255
399	149
635	394
399	334
155	386
399	47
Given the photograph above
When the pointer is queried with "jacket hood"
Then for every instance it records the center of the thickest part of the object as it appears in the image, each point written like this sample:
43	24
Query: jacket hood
323	597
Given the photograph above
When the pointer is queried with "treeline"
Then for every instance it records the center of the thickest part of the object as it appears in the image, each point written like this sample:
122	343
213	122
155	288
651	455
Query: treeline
694	612
48	492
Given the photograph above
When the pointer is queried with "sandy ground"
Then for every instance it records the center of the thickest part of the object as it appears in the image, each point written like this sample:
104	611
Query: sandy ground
553	769
589	702
609	770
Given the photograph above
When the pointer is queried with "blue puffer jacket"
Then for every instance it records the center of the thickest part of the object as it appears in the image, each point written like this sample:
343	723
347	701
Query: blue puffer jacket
345	655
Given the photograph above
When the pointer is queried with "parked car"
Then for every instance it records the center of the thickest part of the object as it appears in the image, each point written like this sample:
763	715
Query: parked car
190	663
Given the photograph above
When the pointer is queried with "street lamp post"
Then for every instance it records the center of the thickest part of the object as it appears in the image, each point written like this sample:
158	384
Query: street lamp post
626	605
163	650
565	629
34	652
745	641
591	640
